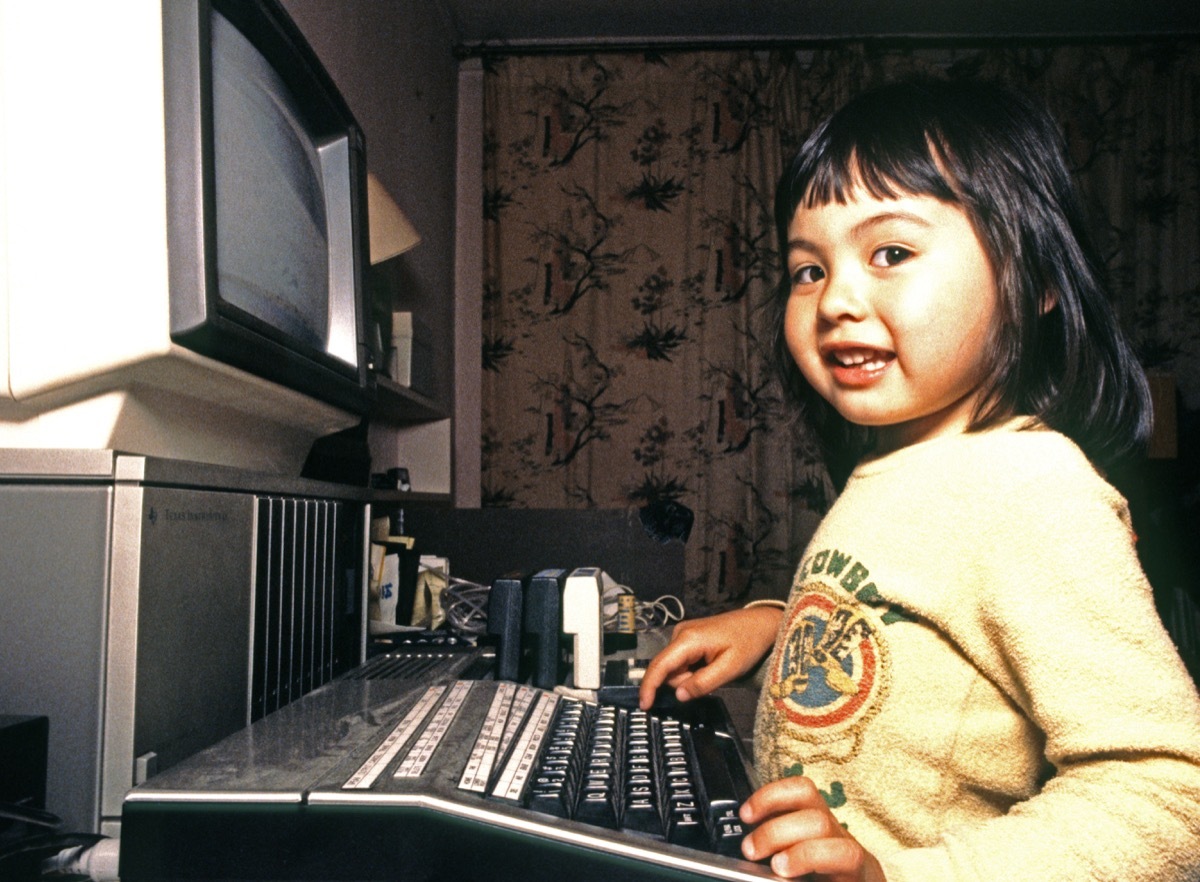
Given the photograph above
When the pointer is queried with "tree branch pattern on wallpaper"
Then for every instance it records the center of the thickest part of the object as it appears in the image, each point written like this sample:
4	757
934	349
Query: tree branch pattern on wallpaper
629	244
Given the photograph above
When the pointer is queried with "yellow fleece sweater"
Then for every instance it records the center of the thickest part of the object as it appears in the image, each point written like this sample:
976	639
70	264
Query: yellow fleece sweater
971	669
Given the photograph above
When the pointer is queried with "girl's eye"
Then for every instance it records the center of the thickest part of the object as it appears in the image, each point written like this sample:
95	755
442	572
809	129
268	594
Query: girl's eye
890	255
807	274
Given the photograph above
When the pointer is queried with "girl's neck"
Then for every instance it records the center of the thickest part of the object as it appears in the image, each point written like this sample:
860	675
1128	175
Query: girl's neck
888	441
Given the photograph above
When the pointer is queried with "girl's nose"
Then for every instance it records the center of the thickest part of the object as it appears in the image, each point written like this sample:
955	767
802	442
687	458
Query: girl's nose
842	299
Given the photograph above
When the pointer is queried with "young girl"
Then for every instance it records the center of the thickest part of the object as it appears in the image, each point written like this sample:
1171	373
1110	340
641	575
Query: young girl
969	680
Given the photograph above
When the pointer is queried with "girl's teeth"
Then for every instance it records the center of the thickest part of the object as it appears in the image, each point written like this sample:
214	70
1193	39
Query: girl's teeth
859	359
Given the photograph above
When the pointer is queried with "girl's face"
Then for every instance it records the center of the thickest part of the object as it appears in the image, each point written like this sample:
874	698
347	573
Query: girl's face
890	312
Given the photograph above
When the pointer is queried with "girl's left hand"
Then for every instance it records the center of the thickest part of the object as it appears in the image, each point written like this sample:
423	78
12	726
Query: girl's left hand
795	829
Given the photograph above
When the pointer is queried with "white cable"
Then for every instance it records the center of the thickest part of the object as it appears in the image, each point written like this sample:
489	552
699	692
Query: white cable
656	613
663	609
465	604
99	862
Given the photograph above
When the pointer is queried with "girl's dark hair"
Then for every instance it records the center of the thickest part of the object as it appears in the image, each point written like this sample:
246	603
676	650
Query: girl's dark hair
1058	353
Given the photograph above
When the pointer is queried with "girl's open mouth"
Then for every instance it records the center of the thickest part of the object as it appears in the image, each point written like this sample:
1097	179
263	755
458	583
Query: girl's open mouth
858	366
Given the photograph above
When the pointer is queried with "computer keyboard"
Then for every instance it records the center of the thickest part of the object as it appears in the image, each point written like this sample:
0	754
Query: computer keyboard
442	776
631	770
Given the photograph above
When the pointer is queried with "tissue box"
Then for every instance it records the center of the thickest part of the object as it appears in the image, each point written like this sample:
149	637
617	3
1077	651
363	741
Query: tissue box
411	353
400	362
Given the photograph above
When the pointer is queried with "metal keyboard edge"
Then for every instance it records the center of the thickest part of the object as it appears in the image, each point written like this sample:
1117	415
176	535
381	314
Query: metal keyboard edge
562	830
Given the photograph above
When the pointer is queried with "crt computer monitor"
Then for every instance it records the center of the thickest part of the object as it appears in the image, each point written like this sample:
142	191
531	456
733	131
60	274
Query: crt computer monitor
266	175
184	234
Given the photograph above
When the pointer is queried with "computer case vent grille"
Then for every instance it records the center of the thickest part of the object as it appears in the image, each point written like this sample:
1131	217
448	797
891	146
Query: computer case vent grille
297	617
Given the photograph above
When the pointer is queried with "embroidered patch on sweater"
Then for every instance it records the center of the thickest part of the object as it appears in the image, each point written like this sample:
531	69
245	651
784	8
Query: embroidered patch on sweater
831	674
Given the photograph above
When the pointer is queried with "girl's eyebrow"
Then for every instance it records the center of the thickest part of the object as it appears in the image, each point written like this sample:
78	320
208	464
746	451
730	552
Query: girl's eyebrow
798	244
866	225
875	220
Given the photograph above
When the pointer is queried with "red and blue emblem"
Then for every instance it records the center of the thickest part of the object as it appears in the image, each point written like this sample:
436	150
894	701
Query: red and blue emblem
828	678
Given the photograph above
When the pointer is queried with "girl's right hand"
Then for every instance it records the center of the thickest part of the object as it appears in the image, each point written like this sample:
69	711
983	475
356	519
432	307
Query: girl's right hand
710	652
795	829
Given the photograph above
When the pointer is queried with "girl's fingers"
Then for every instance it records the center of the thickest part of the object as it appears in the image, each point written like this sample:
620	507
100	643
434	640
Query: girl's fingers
672	664
785	795
784	831
794	828
840	859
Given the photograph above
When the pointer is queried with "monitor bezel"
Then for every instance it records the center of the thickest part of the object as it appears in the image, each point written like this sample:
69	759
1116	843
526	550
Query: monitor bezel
201	320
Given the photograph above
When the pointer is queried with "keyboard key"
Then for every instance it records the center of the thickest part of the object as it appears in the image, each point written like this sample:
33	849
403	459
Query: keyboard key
727	834
550	799
641	815
597	806
721	793
685	827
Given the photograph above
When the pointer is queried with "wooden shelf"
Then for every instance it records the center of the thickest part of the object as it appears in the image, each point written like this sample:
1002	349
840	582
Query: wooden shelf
400	404
401	498
410	430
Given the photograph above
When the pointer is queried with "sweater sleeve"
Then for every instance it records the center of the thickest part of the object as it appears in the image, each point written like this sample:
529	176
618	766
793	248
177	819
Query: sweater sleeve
1066	627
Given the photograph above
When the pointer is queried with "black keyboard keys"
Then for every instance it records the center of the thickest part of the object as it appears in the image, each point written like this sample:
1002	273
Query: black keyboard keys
598	797
681	802
556	784
642	807
722	792
623	768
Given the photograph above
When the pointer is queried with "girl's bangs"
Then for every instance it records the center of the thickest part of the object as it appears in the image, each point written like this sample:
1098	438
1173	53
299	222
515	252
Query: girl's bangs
881	169
885	148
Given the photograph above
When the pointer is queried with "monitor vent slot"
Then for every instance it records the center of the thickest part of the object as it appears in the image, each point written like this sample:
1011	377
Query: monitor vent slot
296	615
397	666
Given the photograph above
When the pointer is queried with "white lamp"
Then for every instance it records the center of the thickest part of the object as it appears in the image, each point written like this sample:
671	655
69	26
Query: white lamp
391	232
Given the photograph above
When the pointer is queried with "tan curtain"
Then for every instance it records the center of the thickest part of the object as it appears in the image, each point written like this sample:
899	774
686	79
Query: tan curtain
629	248
629	244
